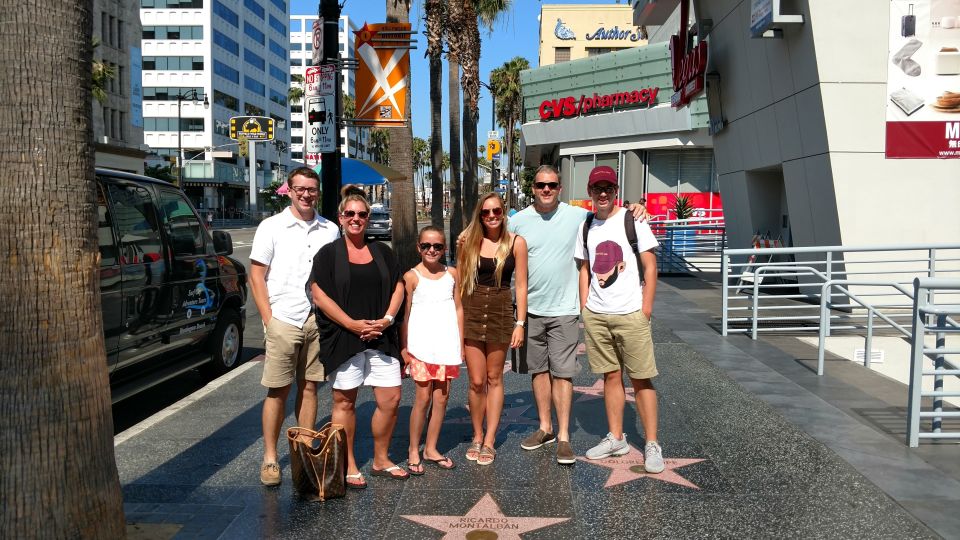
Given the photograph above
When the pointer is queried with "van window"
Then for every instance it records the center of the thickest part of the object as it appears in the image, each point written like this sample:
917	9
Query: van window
136	222
183	227
108	244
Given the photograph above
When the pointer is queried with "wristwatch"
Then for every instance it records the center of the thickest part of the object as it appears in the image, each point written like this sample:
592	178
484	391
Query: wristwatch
520	323
389	319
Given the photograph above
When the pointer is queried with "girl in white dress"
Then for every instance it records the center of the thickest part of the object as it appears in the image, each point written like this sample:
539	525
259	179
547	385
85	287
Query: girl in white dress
431	345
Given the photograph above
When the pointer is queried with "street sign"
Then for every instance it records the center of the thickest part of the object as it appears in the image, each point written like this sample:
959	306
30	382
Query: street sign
495	135
321	126
493	149
317	41
320	80
254	128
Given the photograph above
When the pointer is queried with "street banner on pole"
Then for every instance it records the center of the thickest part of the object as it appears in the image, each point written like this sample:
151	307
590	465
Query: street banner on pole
383	55
923	81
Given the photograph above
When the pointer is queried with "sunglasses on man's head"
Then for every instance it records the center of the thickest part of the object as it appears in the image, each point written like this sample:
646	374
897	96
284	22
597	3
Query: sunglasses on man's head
495	211
362	214
541	185
427	245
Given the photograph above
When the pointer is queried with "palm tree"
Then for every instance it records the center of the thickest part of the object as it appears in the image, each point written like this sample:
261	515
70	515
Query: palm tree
380	145
348	110
403	202
505	82
56	432
454	46
436	17
295	93
421	151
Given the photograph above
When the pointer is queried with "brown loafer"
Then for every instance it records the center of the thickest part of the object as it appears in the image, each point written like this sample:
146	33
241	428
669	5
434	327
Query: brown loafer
565	455
537	439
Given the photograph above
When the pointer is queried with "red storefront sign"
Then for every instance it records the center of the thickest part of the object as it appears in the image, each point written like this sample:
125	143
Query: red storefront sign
689	67
923	140
569	106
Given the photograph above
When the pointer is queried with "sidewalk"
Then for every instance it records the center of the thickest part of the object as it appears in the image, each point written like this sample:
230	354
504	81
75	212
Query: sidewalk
756	446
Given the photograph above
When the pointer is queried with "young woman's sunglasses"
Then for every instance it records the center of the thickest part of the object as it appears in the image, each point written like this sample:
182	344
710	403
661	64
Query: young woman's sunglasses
362	214
427	245
495	211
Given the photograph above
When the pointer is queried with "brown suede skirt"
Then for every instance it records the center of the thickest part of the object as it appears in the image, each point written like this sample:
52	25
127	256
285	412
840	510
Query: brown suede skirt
488	314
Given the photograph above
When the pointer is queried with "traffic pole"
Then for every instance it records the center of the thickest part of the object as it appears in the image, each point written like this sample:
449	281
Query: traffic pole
330	161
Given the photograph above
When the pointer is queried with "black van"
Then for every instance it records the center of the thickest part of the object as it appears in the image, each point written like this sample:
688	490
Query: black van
172	298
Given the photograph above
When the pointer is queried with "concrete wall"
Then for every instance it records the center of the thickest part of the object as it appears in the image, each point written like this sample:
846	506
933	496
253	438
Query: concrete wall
810	109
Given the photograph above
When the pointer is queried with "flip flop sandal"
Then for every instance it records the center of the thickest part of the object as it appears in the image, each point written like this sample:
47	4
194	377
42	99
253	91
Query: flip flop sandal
388	473
356	485
416	469
442	463
486	456
473	451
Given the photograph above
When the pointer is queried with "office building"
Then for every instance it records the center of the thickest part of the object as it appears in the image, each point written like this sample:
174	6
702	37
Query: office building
118	116
575	31
205	61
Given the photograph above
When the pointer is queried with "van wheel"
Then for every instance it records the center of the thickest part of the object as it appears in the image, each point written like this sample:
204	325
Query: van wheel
226	343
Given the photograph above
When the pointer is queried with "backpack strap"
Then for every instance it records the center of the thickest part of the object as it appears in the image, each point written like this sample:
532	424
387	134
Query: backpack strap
630	227
586	229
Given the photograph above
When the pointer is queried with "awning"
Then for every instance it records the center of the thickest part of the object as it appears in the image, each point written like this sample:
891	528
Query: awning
366	173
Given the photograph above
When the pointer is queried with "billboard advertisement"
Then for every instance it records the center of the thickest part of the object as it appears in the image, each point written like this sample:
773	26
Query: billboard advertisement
923	80
383	56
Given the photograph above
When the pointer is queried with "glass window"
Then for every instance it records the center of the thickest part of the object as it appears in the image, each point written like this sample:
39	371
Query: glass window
663	168
278	26
278	50
696	170
255	8
254	59
226	100
109	252
252	110
293	62
225	71
136	221
582	165
226	43
295	25
281	5
254	85
226	13
296	140
561	54
255	33
278	97
278	74
182	226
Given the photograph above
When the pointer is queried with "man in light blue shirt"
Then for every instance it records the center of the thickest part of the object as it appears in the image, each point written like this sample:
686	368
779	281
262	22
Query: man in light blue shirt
553	305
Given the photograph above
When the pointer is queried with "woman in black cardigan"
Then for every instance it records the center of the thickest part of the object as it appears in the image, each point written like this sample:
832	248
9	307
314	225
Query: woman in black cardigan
359	290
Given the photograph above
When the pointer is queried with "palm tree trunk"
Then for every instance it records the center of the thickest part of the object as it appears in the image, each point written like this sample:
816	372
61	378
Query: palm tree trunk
436	140
401	159
453	89
470	119
515	182
56	428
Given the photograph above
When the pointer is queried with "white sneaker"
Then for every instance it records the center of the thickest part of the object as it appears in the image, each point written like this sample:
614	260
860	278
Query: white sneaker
653	458
609	446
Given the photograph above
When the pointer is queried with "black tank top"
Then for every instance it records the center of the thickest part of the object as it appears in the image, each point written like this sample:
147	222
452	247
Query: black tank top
486	271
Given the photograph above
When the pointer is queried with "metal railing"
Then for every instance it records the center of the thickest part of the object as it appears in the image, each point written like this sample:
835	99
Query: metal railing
689	245
937	318
827	289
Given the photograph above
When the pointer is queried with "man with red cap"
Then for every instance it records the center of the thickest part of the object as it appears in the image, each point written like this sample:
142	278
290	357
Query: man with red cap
616	299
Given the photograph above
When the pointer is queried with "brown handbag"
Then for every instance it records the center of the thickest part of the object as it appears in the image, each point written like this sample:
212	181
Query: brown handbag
318	461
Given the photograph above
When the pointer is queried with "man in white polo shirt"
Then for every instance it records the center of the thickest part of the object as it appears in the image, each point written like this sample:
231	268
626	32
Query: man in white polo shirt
281	261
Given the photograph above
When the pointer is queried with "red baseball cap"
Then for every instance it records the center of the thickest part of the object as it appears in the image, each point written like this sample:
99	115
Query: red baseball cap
600	174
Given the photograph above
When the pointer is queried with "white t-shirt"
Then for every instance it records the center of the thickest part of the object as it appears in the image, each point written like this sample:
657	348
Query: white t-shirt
612	261
287	245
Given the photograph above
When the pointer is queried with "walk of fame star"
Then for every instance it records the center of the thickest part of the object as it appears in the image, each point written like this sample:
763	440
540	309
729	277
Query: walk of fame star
629	467
596	392
510	416
485	521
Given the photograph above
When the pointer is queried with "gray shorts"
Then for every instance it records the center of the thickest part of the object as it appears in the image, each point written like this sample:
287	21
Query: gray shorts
552	345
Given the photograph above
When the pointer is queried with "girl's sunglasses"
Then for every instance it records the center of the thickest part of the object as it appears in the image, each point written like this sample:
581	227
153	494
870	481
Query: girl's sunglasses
427	245
488	211
362	214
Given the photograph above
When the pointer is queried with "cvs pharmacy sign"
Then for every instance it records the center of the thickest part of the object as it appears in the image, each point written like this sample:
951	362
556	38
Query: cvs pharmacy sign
569	106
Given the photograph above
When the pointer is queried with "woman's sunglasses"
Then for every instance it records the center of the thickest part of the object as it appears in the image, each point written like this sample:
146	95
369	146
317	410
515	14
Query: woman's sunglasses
488	211
362	214
427	245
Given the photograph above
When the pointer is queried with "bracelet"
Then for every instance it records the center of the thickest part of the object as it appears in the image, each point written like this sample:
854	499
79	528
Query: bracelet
389	318
520	323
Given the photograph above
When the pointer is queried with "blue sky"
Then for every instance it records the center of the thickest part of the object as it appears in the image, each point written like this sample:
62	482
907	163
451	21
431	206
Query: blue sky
517	34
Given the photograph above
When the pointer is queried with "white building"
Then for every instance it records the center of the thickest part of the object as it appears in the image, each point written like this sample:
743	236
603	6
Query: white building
232	56
352	140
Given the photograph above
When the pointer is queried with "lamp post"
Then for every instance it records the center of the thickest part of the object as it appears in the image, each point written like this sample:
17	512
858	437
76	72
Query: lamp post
193	96
493	127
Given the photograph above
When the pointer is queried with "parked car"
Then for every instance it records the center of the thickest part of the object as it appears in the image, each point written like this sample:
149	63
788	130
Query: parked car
172	298
380	224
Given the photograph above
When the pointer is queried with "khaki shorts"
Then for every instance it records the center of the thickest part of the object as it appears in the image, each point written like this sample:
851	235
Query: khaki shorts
619	341
292	353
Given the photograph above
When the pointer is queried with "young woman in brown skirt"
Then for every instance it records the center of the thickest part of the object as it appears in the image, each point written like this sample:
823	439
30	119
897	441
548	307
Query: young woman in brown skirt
489	257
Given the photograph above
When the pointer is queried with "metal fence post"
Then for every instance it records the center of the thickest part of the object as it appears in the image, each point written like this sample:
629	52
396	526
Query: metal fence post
938	366
724	292
867	354
829	277
916	369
